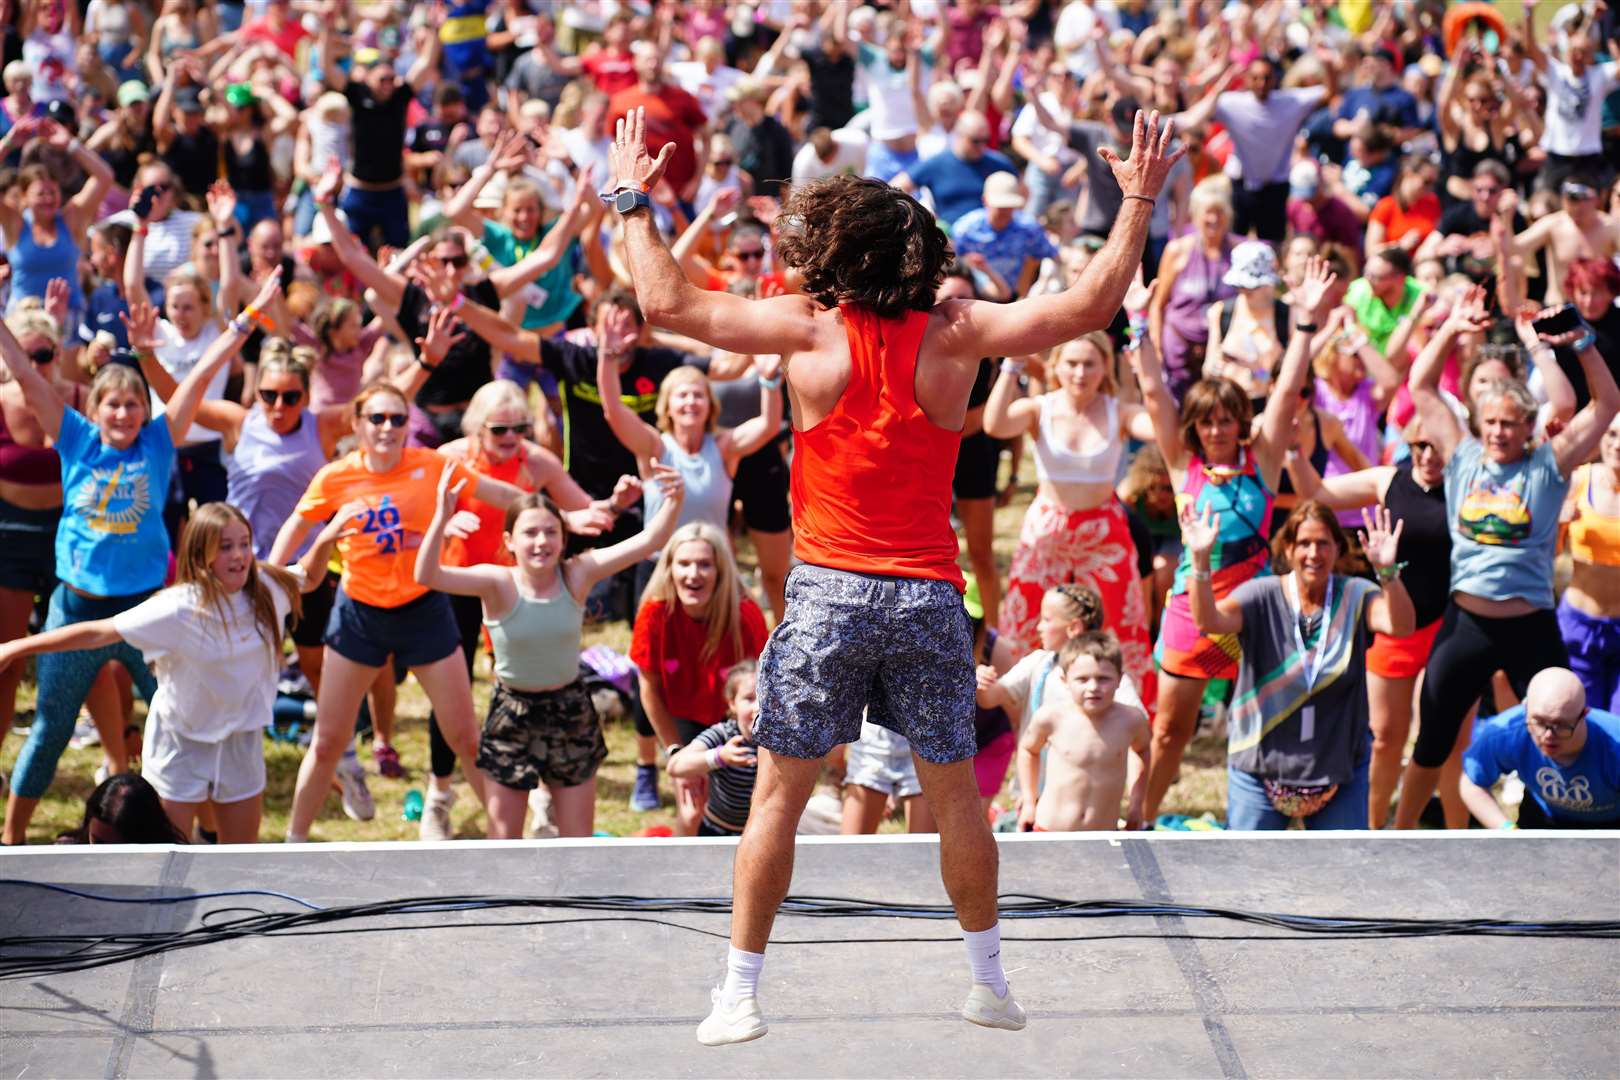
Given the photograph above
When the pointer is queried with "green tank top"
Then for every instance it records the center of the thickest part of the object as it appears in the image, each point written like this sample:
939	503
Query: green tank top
537	643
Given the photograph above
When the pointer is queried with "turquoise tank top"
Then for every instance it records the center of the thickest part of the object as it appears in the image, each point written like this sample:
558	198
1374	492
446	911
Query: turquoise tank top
537	643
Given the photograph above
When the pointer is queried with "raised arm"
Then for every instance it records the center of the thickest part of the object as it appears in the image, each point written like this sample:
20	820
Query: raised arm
389	287
1008	414
1277	422
41	397
483	582
1390	612
753	433
188	395
1439	422
639	437
81	211
1532	48
509	151
1580	438
1156	399
1200	533
1347	491
596	564
94	634
580	213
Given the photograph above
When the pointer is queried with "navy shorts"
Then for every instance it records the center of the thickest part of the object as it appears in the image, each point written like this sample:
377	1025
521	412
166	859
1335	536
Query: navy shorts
899	649
416	634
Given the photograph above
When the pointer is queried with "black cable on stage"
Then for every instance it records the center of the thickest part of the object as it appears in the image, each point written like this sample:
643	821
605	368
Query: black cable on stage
31	956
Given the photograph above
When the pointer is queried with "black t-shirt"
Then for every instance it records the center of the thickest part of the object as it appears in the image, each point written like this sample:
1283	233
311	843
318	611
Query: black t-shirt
832	89
593	454
379	133
194	160
765	153
467	366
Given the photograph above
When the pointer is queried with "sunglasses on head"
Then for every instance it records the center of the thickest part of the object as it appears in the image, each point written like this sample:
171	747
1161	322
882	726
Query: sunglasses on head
509	429
391	419
281	397
42	356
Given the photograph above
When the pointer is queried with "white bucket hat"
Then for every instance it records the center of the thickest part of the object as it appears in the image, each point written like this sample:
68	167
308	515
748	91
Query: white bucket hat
1254	266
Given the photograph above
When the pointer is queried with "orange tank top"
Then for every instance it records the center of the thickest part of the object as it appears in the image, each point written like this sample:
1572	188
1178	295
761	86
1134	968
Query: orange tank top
485	545
872	482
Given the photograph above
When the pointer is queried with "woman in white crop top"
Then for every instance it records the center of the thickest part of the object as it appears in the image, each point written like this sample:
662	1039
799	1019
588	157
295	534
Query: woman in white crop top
1076	529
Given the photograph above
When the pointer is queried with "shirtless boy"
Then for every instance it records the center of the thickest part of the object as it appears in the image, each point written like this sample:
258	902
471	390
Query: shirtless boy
1089	734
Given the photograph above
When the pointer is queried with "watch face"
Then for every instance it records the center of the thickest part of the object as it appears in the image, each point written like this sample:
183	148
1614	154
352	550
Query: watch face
627	201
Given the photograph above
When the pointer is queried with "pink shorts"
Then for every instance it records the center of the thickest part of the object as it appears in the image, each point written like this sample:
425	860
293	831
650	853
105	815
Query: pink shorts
990	764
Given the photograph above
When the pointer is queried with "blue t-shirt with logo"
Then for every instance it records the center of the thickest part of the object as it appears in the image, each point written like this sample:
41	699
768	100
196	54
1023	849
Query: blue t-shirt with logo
111	541
1588	789
1504	522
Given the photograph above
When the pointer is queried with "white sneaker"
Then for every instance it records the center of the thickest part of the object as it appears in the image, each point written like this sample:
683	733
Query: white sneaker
739	1024
987	1010
436	814
541	825
357	801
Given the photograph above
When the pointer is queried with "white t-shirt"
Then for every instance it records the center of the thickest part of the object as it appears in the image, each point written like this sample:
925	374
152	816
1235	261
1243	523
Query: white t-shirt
216	677
709	87
849	156
178	356
1575	108
168	242
889	92
1050	143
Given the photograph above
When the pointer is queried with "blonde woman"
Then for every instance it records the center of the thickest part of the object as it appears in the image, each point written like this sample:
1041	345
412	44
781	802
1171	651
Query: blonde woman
1076	529
693	625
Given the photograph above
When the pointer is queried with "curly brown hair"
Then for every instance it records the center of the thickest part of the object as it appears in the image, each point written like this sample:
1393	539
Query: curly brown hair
860	241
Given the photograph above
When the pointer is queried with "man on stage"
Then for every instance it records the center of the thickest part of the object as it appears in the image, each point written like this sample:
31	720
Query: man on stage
879	378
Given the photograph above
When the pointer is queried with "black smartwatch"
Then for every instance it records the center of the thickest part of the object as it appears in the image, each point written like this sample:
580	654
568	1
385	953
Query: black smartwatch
629	200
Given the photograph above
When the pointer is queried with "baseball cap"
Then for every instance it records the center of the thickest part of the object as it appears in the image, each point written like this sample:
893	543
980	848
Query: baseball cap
132	91
1303	180
1001	192
240	95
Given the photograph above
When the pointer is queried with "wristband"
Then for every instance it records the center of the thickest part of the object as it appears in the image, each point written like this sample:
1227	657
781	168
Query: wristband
714	759
241	327
1305	327
1201	575
1389	573
140	230
1144	198
455	305
772	384
672	749
1012	367
231	232
1584	342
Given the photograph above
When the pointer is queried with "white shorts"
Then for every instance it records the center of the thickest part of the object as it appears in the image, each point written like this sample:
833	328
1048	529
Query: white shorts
881	761
191	771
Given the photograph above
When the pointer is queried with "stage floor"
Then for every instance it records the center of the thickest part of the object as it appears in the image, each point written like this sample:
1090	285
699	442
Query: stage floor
600	999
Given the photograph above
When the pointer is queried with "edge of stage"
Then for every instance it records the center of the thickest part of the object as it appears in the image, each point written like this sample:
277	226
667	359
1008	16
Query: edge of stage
612	997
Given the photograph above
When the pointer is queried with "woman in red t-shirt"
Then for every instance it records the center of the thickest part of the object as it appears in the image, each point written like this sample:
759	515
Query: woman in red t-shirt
1407	215
693	625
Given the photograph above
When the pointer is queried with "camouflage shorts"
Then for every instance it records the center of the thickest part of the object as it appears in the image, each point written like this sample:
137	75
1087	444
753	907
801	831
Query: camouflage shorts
550	737
898	650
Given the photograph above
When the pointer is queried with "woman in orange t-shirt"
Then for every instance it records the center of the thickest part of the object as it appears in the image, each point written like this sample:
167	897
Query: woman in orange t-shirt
1406	216
380	610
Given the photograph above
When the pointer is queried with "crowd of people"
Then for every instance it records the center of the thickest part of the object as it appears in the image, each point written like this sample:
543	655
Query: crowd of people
326	363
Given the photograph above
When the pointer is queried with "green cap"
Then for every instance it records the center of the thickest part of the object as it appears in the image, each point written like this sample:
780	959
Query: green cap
132	91
240	95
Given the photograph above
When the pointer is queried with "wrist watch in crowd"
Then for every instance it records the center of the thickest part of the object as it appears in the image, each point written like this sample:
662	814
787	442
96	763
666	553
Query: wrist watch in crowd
629	200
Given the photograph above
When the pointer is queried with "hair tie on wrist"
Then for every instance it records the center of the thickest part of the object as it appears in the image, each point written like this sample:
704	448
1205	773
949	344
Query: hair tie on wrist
1144	198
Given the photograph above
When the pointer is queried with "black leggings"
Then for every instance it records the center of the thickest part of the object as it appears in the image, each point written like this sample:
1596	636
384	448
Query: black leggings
470	623
1468	650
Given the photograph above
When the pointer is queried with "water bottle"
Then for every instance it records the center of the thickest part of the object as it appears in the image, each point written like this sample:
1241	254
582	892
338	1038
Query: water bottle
292	710
413	806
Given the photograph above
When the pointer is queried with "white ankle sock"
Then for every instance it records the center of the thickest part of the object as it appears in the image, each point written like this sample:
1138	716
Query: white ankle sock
742	975
984	957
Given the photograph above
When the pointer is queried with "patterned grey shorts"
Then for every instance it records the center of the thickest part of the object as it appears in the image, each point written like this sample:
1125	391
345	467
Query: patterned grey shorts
899	648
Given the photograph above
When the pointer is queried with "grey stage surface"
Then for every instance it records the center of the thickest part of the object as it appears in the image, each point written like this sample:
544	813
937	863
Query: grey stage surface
602	999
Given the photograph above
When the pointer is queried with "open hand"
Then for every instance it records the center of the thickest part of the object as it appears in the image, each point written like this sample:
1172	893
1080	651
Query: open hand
449	488
140	326
670	484
222	203
626	492
1200	531
1318	280
628	161
1468	313
443	334
593	520
462	524
1144	172
1378	540
56	302
341	524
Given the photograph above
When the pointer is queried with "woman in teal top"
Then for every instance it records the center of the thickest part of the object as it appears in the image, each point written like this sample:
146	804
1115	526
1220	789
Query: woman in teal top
112	550
1503	497
542	727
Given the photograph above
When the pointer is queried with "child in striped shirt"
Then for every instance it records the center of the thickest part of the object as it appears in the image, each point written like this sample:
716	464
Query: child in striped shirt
726	754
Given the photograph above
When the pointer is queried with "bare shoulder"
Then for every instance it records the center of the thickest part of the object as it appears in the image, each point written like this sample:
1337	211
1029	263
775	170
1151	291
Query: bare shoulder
459	449
956	327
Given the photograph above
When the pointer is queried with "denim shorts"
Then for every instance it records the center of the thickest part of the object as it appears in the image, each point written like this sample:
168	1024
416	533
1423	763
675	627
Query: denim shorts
899	650
415	634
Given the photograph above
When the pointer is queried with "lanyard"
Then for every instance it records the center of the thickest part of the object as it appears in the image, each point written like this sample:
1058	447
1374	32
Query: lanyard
1314	656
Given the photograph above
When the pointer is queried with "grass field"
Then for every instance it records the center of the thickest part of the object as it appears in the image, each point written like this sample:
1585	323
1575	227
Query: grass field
1202	786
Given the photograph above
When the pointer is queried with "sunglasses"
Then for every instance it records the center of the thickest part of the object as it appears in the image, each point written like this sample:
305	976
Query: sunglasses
42	356
979	140
723	163
757	254
457	261
391	419
509	429
281	397
1422	446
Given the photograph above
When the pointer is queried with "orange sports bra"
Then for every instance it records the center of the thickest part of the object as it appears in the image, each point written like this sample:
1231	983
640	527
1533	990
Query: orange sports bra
1593	537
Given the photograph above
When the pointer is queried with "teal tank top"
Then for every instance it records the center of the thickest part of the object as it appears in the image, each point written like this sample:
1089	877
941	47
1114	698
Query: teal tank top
537	643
